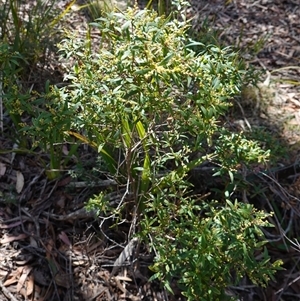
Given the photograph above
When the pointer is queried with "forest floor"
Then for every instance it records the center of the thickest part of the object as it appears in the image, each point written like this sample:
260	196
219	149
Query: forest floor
52	249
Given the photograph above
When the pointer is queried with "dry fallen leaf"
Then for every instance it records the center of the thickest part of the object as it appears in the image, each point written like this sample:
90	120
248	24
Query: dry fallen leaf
5	239
65	150
12	225
62	279
13	154
64	238
13	277
33	242
22	279
30	285
2	169
20	182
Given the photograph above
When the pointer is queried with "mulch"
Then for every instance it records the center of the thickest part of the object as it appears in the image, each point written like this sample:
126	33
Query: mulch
51	248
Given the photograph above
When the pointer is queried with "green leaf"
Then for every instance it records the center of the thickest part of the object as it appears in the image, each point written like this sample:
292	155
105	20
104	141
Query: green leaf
108	158
166	60
126	133
145	178
231	176
168	287
63	13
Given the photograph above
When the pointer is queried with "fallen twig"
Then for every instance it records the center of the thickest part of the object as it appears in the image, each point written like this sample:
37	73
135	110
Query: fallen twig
6	292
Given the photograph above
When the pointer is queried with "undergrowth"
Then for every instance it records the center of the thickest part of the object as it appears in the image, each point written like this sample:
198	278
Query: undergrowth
149	99
150	105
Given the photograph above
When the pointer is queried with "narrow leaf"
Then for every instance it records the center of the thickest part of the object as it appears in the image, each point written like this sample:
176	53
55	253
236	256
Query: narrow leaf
20	182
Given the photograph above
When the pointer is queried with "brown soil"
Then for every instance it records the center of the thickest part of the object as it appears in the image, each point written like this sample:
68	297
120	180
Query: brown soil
52	249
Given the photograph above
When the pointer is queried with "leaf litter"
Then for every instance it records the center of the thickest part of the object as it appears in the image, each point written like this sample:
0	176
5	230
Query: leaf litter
52	249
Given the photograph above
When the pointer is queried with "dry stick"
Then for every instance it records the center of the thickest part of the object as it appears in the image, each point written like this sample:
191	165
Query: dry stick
98	293
125	254
34	220
125	291
244	116
126	193
288	284
6	292
33	181
283	232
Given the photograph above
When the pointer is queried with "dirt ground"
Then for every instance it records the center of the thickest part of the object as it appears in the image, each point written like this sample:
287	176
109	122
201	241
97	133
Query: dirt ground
52	249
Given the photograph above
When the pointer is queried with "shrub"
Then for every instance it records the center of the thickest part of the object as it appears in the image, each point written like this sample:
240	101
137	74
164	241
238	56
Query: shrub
30	30
28	33
151	105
